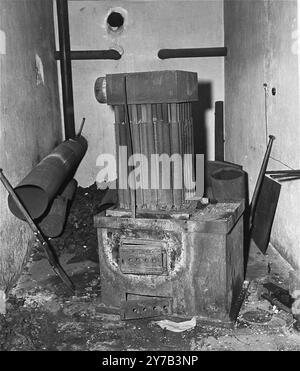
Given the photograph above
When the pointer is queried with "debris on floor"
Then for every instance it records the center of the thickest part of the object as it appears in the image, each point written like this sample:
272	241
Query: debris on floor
80	237
41	314
176	326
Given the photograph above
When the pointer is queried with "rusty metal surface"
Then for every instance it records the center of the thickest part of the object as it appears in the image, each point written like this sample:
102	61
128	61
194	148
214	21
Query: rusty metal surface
152	214
218	219
171	241
170	86
139	256
205	268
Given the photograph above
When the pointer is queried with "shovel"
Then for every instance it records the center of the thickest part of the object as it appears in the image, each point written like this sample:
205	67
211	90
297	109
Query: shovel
57	268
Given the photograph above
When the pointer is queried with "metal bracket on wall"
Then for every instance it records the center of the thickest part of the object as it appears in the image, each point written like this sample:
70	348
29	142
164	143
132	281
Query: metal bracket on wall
192	53
90	54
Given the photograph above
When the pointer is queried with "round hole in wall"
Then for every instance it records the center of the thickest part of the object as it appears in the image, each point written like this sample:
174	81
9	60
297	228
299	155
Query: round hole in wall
115	21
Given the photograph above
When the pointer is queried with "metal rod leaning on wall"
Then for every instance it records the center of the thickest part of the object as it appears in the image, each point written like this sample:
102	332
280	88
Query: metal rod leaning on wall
57	268
260	179
283	172
90	54
166	129
130	143
136	150
176	148
151	148
288	179
192	53
66	67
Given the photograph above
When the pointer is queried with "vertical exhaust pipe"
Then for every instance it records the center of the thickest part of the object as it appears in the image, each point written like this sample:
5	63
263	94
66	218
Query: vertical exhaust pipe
66	67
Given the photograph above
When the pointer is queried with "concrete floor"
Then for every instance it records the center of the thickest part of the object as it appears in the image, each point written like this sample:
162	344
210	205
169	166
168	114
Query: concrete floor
42	315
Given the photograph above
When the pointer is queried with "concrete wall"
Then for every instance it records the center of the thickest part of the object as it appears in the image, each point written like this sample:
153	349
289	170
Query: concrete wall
29	109
262	40
149	26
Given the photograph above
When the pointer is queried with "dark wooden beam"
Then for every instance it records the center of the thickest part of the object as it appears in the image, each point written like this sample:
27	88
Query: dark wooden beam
219	131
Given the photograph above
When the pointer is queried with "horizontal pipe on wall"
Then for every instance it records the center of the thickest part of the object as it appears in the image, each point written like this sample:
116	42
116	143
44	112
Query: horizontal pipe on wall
192	53
90	54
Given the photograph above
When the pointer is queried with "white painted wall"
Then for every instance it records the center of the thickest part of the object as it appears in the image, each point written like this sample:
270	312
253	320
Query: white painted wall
151	25
262	37
30	125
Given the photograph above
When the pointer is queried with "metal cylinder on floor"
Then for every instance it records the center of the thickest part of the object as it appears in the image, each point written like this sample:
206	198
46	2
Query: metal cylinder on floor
53	223
228	184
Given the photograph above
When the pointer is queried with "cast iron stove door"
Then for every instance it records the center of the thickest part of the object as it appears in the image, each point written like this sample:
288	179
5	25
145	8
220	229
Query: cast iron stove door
139	256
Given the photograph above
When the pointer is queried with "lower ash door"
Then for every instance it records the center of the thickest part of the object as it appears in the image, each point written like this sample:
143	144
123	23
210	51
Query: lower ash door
142	306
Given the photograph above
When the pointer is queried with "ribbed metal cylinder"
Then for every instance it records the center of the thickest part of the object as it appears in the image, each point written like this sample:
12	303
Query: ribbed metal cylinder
158	129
